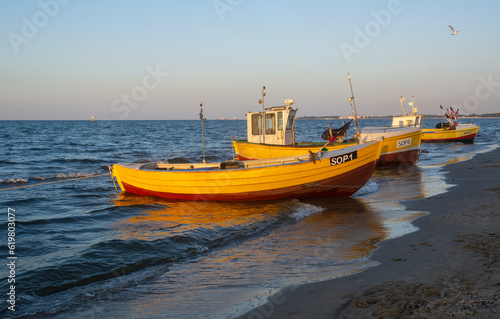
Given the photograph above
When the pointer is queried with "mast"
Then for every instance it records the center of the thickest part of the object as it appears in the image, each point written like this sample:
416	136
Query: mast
261	101
202	134
351	99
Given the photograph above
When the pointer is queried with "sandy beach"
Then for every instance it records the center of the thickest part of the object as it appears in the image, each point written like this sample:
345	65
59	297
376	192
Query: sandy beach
449	268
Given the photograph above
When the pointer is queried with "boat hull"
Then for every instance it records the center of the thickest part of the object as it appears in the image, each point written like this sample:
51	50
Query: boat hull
401	146
300	179
465	133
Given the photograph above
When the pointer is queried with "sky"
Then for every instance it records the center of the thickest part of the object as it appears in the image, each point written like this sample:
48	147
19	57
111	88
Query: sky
157	60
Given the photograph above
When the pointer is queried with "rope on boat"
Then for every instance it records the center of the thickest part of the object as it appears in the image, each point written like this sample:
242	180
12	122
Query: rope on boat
46	183
111	174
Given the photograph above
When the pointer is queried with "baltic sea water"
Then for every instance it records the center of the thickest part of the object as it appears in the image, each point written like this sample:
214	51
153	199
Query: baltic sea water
84	249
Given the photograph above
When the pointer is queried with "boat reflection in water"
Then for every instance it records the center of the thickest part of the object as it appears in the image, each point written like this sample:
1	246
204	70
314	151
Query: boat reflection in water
402	184
350	223
156	217
243	250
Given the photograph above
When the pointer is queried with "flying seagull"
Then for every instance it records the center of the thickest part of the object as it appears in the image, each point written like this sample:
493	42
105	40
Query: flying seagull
453	30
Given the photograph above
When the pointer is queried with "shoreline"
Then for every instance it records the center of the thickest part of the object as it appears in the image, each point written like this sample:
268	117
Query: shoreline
449	267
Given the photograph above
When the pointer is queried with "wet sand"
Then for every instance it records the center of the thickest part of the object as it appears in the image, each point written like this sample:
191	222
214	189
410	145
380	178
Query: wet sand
450	267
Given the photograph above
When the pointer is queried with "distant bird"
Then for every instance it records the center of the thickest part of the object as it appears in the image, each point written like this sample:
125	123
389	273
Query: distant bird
453	30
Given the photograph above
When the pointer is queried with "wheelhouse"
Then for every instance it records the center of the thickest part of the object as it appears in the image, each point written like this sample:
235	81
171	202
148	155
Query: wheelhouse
278	123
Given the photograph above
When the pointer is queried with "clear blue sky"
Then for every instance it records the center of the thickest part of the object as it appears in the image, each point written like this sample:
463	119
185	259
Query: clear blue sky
133	60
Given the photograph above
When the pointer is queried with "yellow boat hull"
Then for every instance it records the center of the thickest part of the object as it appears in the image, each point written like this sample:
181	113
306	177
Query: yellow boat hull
465	133
335	173
400	146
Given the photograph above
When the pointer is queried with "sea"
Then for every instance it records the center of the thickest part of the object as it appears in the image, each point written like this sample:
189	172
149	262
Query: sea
74	246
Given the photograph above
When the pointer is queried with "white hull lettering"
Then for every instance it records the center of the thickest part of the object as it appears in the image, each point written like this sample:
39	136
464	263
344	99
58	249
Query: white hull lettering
343	158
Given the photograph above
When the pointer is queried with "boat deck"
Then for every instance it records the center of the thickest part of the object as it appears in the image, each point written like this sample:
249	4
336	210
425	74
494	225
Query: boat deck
161	166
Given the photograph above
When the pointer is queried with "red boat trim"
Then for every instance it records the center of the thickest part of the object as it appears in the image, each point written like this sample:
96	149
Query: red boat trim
324	188
243	158
406	158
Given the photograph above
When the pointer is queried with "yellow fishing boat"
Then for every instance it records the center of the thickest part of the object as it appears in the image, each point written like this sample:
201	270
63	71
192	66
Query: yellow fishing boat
322	174
449	131
465	133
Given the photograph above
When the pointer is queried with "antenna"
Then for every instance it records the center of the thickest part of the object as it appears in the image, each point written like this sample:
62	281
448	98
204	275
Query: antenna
202	133
351	99
261	101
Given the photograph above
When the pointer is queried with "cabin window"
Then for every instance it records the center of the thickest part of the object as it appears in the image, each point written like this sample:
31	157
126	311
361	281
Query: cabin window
256	124
280	121
270	127
401	123
289	124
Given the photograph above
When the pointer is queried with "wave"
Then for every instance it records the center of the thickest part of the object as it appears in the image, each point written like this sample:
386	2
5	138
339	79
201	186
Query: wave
8	162
368	188
130	255
92	266
302	210
14	180
116	288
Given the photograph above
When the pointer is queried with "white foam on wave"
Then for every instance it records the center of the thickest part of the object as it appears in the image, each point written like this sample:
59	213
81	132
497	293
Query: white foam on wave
13	180
302	210
368	188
